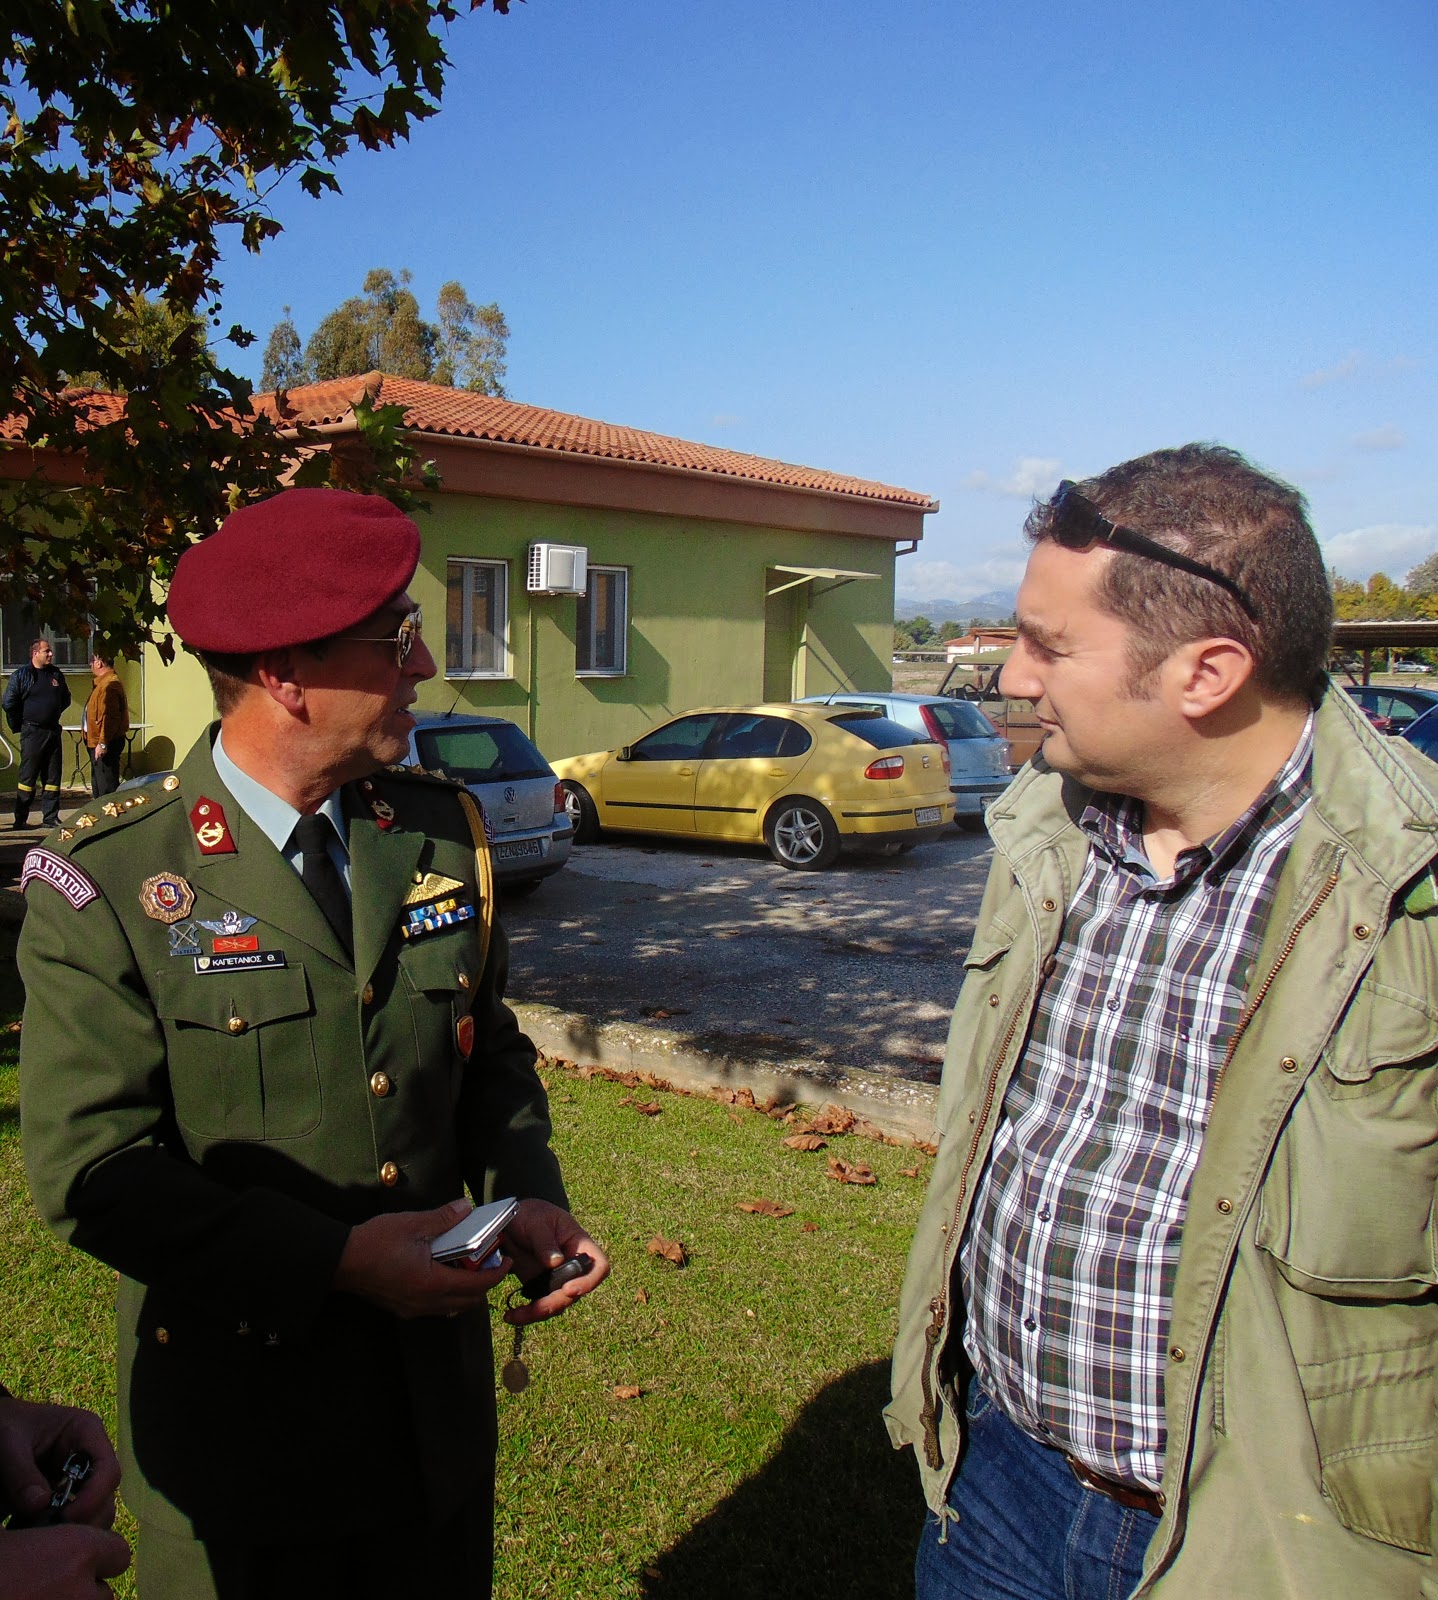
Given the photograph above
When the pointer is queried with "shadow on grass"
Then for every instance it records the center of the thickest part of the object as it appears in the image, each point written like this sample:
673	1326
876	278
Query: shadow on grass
836	1512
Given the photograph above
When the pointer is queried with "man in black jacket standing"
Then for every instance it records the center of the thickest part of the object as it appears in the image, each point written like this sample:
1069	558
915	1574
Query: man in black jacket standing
35	700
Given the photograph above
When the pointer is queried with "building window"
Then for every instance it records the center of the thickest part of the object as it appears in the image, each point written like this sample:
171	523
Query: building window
476	621
602	637
19	630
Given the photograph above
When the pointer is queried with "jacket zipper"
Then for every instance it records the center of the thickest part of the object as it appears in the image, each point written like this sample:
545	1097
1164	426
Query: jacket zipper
1241	1027
938	1306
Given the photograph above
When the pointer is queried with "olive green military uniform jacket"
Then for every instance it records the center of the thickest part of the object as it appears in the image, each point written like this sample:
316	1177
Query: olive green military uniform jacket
213	1129
1300	1385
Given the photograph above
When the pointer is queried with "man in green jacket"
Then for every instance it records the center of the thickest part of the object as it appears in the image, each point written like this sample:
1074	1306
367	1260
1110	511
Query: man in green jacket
265	1054
1171	1314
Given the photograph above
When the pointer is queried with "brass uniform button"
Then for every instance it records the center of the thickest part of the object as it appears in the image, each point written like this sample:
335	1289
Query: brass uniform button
389	1174
162	1336
1289	1064
463	978
1178	1353
380	1086
1362	931
368	996
993	999
1051	905
237	1024
1225	1206
170	784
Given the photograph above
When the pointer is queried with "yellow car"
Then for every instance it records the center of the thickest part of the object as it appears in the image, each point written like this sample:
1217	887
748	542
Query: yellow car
803	779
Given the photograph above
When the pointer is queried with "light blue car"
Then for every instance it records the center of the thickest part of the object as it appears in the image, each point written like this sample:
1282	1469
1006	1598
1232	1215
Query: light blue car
978	756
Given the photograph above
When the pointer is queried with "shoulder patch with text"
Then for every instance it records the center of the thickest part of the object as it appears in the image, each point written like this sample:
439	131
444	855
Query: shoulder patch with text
78	887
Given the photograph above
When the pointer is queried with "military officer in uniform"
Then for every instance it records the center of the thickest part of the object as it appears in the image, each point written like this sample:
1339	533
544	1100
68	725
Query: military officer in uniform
265	1053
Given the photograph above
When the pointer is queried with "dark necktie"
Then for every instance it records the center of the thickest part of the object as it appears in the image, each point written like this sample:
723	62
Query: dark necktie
322	877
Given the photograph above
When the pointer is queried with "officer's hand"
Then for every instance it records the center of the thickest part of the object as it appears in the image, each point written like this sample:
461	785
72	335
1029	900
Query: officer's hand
387	1260
69	1562
34	1441
539	1237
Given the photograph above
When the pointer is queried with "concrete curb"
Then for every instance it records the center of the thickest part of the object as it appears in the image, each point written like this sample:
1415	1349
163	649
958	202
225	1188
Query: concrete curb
897	1105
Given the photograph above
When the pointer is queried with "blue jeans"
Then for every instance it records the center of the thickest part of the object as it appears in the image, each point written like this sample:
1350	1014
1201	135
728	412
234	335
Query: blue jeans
1026	1528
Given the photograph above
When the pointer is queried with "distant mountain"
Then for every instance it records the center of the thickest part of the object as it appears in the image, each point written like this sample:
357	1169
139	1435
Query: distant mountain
995	606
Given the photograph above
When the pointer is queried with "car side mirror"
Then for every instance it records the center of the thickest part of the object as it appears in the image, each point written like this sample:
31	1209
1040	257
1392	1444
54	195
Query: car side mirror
624	753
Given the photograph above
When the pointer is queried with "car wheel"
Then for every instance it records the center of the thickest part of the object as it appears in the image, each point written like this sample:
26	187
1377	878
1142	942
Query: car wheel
971	824
583	818
801	835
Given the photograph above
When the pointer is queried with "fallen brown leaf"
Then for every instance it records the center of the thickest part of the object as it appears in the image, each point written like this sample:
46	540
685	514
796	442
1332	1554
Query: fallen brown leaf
765	1208
908	1172
805	1141
735	1116
641	1297
669	1249
627	1391
648	1108
928	1149
868	1130
849	1172
811	1227
833	1119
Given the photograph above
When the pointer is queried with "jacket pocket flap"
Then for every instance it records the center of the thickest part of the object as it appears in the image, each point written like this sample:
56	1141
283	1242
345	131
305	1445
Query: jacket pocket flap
211	1000
438	962
1384	1027
990	946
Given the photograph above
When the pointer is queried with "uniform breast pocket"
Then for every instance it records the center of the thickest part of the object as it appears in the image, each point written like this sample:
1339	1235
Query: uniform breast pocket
439	976
241	1052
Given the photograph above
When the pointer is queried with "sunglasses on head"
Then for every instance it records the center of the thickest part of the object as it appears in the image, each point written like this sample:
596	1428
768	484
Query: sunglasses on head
1077	523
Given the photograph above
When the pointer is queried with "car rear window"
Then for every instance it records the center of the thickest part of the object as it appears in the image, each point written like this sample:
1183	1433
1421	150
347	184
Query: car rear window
487	754
960	720
881	732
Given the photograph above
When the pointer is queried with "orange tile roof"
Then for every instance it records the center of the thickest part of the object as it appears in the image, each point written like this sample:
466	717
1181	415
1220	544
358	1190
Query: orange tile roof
94	408
431	408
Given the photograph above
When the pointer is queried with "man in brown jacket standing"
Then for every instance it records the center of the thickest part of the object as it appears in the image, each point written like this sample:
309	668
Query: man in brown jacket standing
107	721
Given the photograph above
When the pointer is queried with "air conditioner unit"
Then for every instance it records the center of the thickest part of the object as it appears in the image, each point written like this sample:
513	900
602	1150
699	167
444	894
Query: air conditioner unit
558	569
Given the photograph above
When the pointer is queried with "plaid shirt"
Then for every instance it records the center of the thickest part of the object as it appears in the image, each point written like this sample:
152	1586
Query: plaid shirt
1070	1255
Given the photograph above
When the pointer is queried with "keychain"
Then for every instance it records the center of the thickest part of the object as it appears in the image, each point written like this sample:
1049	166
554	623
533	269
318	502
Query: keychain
514	1375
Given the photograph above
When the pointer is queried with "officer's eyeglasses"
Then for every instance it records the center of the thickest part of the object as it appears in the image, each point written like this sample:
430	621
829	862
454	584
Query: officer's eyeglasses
411	625
1078	523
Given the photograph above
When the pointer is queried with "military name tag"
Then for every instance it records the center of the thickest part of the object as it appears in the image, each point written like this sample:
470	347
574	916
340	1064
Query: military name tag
243	961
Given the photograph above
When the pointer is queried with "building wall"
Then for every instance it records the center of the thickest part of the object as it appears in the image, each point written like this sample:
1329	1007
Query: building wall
697	600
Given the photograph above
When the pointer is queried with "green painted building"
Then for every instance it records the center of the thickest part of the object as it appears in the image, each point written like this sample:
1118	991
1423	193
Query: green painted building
587	580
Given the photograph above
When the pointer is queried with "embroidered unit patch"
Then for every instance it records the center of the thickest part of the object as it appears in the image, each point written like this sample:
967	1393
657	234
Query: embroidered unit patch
78	887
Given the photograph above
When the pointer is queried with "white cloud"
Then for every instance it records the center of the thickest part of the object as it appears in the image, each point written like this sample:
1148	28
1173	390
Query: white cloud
1389	437
948	580
1391	547
1340	369
725	419
1033	477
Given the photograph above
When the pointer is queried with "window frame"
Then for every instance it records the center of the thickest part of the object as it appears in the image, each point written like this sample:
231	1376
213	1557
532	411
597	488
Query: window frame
500	567
621	630
29	630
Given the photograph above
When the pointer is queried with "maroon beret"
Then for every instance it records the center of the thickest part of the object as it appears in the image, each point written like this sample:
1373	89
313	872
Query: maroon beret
301	566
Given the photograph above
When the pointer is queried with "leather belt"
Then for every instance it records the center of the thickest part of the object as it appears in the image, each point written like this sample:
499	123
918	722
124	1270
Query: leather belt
1124	1494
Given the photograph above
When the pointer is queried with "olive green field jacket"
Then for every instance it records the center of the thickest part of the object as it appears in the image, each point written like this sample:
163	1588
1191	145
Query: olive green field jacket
1299	1388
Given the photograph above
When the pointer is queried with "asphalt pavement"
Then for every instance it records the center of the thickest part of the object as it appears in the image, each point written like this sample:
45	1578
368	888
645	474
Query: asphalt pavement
712	964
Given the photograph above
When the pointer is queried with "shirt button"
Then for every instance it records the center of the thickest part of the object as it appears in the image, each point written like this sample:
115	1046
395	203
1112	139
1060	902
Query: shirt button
368	996
389	1174
1030	1324
237	1024
1044	1214
380	1085
1111	1004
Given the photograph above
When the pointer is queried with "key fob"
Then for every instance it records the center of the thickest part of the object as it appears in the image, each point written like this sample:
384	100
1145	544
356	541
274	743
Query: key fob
543	1283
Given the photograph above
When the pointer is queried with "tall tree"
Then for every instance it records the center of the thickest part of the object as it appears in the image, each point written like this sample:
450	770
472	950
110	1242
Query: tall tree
383	328
1424	577
136	137
284	364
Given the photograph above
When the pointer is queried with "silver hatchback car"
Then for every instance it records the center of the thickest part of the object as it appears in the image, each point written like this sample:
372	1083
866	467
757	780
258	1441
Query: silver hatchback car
522	799
978	755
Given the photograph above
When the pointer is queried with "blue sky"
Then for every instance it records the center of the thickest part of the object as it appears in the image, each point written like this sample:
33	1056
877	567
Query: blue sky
966	246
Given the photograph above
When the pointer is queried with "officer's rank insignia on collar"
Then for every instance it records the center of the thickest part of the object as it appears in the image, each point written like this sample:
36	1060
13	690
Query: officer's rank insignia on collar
184	939
382	810
212	832
167	897
429	886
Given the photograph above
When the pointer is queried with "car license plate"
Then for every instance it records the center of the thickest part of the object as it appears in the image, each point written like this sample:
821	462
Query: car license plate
927	815
517	850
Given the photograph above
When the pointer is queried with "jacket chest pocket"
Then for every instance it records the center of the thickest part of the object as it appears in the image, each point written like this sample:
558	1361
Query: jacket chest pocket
241	1052
439	977
1347	1208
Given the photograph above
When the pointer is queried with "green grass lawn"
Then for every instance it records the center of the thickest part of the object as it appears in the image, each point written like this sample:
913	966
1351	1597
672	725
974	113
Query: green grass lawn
753	1461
